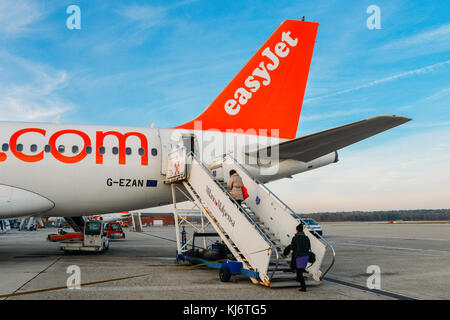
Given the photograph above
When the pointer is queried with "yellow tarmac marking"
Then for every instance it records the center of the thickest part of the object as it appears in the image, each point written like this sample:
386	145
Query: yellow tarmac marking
65	287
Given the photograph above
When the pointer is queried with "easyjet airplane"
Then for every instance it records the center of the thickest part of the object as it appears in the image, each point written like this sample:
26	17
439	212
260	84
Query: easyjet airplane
77	170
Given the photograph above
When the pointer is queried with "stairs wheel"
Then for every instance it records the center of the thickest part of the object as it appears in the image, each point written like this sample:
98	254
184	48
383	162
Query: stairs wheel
224	274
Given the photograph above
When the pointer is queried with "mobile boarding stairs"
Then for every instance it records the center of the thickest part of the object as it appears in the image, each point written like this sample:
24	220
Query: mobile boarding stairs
255	232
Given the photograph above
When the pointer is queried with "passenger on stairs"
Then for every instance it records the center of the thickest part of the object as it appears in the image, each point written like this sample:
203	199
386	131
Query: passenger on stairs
301	247
235	185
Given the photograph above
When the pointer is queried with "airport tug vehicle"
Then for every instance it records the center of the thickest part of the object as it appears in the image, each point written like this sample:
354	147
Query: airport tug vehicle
253	234
93	238
114	231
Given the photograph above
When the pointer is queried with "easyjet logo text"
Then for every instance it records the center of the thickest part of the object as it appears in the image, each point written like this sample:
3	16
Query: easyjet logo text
262	73
53	150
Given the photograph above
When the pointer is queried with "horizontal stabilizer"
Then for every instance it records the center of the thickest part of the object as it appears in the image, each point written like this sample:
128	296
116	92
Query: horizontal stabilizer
318	144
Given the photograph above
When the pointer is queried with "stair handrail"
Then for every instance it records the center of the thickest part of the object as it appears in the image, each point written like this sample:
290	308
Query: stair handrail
293	213
266	237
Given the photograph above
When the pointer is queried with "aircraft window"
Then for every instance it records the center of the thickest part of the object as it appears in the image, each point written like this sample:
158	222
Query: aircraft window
154	152
5	147
128	151
61	148
115	150
101	150
88	149
47	148
33	148
74	149
141	151
19	147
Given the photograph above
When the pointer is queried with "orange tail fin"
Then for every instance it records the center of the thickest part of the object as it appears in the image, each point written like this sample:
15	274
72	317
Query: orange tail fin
268	92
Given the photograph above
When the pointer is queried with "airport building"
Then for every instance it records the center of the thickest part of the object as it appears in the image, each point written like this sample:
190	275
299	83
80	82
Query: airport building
157	219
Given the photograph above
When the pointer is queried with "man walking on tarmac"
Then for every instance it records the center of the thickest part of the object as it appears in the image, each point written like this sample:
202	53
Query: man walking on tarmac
300	246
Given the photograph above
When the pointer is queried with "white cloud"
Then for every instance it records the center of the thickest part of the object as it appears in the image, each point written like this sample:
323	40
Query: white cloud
35	97
438	36
418	71
430	124
16	16
438	95
146	16
336	114
421	44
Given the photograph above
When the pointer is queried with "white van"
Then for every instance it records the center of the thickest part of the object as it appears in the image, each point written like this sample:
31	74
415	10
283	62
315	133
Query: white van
312	225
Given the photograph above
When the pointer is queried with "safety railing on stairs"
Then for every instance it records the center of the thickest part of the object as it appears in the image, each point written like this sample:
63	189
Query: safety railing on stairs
292	212
241	209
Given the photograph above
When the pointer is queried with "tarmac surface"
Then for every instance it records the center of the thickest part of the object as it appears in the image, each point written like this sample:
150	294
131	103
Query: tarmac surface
414	260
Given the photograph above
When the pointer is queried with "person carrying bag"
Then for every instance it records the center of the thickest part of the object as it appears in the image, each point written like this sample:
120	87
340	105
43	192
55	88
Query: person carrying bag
301	253
235	185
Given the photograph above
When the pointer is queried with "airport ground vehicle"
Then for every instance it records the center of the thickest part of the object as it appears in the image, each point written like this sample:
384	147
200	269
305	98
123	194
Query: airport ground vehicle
4	226
62	235
94	239
216	256
114	230
313	226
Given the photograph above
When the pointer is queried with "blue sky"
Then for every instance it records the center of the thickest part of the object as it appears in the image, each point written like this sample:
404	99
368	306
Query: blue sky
141	62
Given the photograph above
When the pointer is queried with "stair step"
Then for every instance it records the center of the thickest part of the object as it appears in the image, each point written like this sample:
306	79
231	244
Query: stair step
280	261
279	280
284	284
283	276
281	266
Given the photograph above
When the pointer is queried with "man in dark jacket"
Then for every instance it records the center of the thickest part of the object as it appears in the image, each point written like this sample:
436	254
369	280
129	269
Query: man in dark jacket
300	247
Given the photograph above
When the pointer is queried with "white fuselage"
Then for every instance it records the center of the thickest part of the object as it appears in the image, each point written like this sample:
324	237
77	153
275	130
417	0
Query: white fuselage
76	170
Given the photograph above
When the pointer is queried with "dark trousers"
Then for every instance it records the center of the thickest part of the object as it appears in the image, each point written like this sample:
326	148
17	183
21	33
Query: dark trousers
300	278
239	201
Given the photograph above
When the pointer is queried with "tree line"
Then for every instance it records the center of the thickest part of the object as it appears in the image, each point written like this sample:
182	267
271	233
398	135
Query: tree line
391	215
